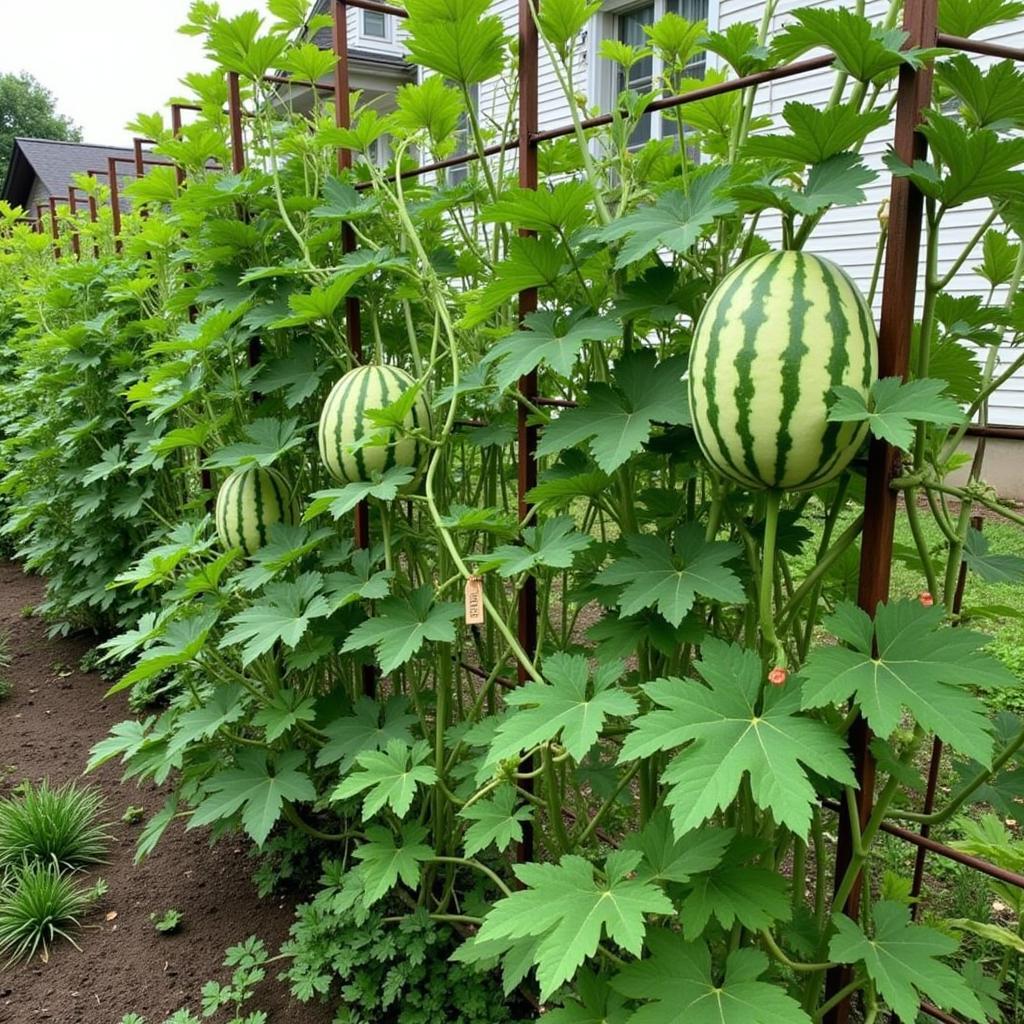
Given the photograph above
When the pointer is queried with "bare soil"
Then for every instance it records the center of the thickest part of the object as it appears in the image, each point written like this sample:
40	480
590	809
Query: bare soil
47	727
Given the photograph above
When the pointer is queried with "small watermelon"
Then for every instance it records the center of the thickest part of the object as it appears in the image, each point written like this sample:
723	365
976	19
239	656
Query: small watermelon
249	502
344	422
776	336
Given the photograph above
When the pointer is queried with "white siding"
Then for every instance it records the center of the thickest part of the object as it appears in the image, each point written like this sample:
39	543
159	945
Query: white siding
849	236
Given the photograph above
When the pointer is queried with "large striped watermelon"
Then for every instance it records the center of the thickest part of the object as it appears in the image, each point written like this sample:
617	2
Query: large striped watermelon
249	502
776	336
344	422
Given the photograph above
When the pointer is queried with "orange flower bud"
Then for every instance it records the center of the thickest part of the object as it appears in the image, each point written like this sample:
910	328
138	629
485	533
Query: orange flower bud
777	676
926	599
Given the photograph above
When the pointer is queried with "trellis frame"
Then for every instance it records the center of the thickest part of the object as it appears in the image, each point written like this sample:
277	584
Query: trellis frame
899	291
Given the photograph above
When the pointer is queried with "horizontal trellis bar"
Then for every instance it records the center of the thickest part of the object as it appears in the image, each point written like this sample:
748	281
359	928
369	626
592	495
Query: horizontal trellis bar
981	46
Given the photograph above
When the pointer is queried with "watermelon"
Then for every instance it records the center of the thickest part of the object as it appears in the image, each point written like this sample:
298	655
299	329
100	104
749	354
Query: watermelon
779	332
249	502
344	421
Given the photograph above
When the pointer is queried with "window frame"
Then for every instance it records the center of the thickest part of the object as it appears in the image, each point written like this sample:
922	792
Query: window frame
602	79
387	37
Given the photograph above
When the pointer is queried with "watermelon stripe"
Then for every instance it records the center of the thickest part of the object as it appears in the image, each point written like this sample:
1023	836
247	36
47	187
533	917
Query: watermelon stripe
754	318
360	426
391	453
719	307
792	358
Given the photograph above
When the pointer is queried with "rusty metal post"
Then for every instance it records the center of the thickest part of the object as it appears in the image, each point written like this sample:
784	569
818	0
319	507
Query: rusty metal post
526	439
237	166
353	321
235	122
115	202
140	169
94	217
179	171
899	290
54	227
76	242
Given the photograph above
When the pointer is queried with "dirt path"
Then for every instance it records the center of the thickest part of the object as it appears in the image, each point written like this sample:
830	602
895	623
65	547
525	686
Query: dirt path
46	729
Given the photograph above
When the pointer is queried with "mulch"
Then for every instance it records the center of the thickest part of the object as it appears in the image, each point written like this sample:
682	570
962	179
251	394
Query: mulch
47	728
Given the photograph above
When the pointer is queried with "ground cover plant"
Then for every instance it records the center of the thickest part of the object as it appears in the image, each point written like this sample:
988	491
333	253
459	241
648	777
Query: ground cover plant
640	824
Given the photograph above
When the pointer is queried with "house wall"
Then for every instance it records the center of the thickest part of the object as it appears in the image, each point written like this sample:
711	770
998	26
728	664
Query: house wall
849	236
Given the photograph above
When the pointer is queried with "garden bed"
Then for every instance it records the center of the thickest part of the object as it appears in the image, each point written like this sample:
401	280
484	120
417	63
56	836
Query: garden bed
55	714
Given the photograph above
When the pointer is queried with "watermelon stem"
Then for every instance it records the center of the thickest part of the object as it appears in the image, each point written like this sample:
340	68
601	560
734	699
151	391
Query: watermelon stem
773	651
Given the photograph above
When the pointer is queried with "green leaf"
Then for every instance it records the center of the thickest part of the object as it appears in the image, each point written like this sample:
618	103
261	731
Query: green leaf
990	98
864	50
433	107
571	909
728	738
815	134
298	374
371	726
738	46
562	208
667	859
546	339
496	820
902	959
343	202
597	1004
286	710
677	983
617	418
553	543
995	933
676	221
976	164
269	440
756	897
656	577
675	39
837	181
258	788
528	263
403	625
383	863
561	21
224	706
966	17
285	612
999	259
456	38
895	407
391	776
569	703
339	501
921	666
179	643
124	740
287	546
991	568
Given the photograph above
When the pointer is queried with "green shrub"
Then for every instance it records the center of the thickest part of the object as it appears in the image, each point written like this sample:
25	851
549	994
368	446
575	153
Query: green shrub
61	824
39	904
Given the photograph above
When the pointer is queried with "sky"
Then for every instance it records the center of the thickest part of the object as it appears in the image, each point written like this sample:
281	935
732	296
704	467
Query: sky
107	60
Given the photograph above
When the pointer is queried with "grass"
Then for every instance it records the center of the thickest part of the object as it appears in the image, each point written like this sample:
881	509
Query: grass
60	824
39	904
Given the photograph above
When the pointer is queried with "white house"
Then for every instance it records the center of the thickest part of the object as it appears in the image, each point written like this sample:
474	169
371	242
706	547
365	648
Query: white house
847	235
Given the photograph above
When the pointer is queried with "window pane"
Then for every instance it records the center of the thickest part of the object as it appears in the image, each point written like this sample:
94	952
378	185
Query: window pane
691	10
375	24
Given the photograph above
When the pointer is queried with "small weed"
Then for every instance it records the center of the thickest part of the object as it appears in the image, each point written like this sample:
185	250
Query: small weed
168	922
6	688
42	823
39	904
133	815
28	611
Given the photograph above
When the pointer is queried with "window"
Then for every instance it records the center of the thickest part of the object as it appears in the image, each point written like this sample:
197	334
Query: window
375	25
464	140
629	25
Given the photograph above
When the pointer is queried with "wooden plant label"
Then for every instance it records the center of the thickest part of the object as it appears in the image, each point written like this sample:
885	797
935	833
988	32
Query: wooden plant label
474	600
